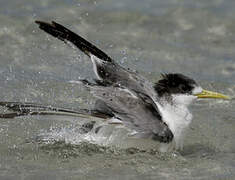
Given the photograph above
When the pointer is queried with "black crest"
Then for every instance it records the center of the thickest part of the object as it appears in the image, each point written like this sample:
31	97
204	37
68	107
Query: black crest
174	84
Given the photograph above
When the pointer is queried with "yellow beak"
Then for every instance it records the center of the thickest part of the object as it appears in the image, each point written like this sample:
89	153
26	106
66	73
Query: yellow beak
211	94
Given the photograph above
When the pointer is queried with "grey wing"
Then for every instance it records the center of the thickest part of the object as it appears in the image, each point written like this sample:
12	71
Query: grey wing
114	74
24	109
133	111
105	68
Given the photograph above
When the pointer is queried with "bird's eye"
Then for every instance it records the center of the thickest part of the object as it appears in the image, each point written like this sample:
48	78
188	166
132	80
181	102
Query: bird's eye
183	87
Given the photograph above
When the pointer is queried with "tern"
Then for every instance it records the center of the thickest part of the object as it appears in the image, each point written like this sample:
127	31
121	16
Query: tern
157	111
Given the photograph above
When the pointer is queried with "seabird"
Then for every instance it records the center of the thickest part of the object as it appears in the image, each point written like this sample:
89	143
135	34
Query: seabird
157	111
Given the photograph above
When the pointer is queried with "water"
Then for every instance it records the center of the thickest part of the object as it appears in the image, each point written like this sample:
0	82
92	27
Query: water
196	38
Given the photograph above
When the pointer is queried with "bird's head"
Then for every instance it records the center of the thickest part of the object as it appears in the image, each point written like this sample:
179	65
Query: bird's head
182	89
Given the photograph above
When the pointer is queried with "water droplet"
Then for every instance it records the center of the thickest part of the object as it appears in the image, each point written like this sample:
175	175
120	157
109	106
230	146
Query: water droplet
123	59
123	52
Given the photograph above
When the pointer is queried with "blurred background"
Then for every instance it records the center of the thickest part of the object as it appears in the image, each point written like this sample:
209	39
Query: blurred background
196	38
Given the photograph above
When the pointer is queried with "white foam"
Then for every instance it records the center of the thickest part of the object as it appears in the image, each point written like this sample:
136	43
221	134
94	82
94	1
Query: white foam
108	135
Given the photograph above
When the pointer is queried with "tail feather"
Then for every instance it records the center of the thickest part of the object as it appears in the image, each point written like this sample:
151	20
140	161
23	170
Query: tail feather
23	109
65	34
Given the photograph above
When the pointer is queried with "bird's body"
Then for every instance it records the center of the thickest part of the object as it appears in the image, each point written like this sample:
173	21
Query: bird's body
157	111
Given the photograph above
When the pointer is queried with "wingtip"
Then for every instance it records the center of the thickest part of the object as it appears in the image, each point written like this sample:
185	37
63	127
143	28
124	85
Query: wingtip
41	23
59	31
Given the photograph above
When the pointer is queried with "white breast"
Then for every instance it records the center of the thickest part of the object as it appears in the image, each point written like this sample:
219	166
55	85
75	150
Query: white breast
177	116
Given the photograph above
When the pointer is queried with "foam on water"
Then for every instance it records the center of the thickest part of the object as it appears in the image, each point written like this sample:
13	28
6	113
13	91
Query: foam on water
108	135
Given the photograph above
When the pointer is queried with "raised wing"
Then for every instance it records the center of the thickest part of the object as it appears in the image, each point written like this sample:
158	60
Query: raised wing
105	68
65	34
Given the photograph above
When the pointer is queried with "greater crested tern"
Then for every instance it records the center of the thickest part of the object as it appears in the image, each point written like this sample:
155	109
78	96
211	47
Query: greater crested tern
158	111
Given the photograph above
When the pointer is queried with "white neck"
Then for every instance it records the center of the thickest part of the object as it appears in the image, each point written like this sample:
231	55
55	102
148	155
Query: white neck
176	115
